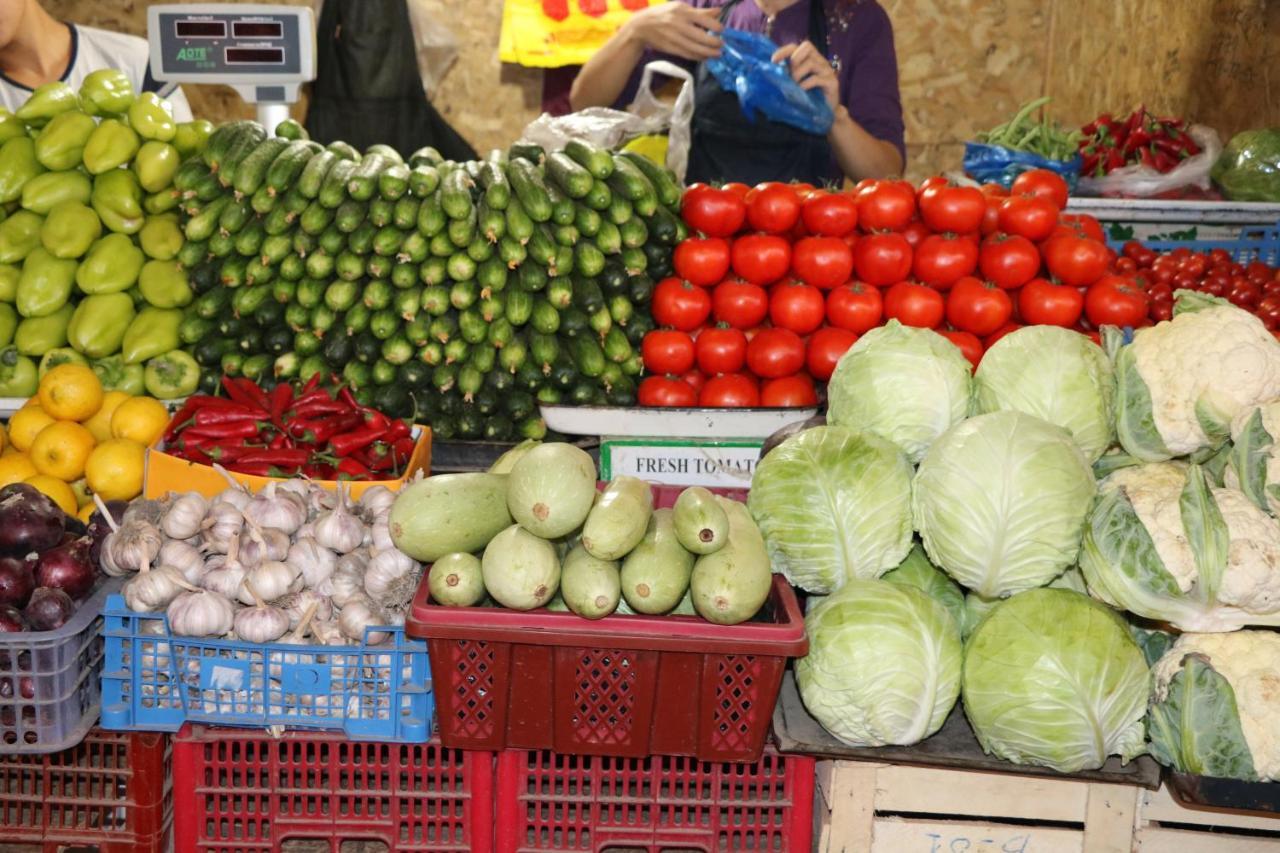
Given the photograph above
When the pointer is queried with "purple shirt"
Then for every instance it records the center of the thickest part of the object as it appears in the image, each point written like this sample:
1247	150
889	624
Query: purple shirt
859	39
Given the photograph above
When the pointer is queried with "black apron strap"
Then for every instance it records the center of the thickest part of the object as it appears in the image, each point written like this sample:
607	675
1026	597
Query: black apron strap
818	26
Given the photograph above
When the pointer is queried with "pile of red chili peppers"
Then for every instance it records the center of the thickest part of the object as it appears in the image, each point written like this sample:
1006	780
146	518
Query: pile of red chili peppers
312	431
1159	143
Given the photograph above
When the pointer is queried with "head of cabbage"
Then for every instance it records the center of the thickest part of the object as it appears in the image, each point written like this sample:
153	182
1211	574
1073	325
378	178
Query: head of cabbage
833	504
916	571
1000	500
1053	678
1056	374
904	384
883	665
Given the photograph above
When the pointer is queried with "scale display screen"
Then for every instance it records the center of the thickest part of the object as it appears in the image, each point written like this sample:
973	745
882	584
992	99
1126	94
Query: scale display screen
255	56
201	29
257	29
232	43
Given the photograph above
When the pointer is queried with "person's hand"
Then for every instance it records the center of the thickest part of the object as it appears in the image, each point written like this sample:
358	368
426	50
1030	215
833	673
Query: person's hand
811	70
677	29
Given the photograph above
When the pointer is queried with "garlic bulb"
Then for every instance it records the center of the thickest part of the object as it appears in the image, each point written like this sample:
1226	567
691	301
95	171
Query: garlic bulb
224	580
222	525
261	623
283	510
339	529
260	544
235	493
200	614
376	501
184	557
391	578
131	545
315	563
184	517
380	532
296	604
145	510
328	633
347	580
307	530
271	579
152	589
357	616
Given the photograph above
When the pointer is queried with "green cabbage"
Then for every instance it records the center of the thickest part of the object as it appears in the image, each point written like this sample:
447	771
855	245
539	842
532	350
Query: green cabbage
916	571
1000	501
883	666
833	504
1053	678
1056	374
1249	167
976	607
904	384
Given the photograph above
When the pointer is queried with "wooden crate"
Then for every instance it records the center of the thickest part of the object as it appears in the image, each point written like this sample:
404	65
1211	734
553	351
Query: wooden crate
887	808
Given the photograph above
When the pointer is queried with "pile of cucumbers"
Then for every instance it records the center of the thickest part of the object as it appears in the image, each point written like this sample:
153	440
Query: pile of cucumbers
461	294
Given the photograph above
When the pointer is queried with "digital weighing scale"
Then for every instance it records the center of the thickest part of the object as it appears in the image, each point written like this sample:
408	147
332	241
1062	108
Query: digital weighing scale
264	52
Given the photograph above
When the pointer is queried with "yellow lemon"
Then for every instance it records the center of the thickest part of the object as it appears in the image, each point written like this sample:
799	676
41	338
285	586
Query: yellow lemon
58	491
80	489
15	469
100	423
26	424
85	513
71	392
114	469
140	419
61	449
4	441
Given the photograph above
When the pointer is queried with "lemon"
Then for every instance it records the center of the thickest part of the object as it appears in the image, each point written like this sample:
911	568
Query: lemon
70	392
85	513
15	469
58	491
140	419
100	423
114	470
26	424
61	450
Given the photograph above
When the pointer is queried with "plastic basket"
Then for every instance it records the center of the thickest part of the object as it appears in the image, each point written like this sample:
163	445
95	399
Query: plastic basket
622	685
239	791
111	792
548	801
50	681
1257	246
154	681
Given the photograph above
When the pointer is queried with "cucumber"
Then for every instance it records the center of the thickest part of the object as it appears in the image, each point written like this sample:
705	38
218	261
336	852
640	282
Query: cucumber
560	292
620	210
491	274
527	151
360	240
616	346
405	214
462	231
519	307
609	239
595	160
542	246
497	191
249	240
202	225
586	220
600	196
362	184
588	357
587	294
414	249
384	151
655	575
288	165
455	195
664	183
532	278
235	216
293	201
333	190
512	251
630	183
344	151
189	173
278	221
519	226
378	267
313	173
634	233
232	142
231	272
431	216
393	182
529	189
426	155
568	175
588	260
563	209
252	170
544	318
566	235
664	227
491	222
423	180
621	310
381	211
387	241
315	218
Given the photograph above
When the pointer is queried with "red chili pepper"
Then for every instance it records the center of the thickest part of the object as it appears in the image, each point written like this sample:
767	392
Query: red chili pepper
353	469
235	429
256	395
312	408
292	458
349	442
345	395
312	384
232	453
327	428
396	430
280	441
281	397
235	392
211	417
374	418
256	469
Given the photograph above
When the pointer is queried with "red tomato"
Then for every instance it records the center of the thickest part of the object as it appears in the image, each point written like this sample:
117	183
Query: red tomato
773	208
695	379
886	206
731	391
666	351
775	352
978	307
714	212
930	186
740	190
940	261
761	258
1028	216
1042	303
1076	261
882	259
991	216
741	304
1115	301
825	348
993	190
680	305
915	232
789	392
1089	227
703	262
969	344
1042	183
856	307
720	349
667	392
914	305
990	340
830	214
822	261
798	307
1009	261
954	209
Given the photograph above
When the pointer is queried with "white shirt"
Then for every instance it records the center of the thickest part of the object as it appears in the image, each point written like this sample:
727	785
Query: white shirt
93	49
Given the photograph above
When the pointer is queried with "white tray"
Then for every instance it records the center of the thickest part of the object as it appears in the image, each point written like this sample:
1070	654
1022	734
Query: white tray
671	423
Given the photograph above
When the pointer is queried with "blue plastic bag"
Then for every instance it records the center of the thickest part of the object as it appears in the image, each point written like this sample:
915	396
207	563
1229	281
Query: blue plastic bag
999	165
745	66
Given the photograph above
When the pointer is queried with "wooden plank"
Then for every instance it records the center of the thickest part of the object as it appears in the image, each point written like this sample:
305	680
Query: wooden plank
850	789
957	792
1161	807
897	835
1157	840
1109	818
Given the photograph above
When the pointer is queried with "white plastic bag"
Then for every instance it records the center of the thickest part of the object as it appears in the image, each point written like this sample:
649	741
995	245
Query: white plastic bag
436	45
609	128
1138	181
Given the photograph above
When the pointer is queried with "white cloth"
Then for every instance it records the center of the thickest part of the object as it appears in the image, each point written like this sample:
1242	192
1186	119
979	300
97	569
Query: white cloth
93	49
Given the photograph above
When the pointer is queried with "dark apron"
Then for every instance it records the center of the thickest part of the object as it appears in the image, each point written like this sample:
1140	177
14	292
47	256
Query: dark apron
367	87
727	146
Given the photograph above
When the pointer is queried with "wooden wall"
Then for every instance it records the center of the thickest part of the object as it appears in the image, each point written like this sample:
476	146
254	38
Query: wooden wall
965	65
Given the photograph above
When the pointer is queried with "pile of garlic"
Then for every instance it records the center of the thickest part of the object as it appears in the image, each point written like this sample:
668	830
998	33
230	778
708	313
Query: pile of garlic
295	563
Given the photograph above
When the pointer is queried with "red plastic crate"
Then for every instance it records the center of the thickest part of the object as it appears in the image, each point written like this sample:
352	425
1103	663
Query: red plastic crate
622	685
239	790
112	792
548	801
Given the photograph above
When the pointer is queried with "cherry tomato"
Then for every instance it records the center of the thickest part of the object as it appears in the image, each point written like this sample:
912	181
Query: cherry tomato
701	261
789	392
1008	260
1115	301
830	214
741	304
667	392
940	261
886	206
914	305
1028	216
856	307
666	351
731	391
1161	311
775	352
773	208
720	349
825	348
680	305
761	258
1124	266
969	344
990	340
1245	295
978	307
1042	183
713	212
1269	311
798	307
1042	303
1076	261
882	259
824	262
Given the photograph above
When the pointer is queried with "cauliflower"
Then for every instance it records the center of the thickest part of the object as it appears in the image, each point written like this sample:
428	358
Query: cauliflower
1210	692
1161	543
1254	464
1180	383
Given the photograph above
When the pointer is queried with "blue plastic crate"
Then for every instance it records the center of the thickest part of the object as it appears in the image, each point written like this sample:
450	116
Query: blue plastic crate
1258	246
155	681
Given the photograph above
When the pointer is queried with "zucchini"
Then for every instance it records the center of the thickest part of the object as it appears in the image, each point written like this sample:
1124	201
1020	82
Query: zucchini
529	189
288	165
595	160
664	183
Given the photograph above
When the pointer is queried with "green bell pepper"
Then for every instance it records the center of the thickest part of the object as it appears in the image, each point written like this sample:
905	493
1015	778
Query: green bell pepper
18	376
155	164
10	126
174	374
152	332
70	229
112	265
117	198
111	145
37	335
165	285
192	136
60	145
115	375
161	237
8	323
152	117
47	101
19	234
106	91
18	164
9	276
58	357
42	192
99	324
45	284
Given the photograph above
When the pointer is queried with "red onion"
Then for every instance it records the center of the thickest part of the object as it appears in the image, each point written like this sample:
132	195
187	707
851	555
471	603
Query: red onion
49	609
68	568
29	521
11	620
17	581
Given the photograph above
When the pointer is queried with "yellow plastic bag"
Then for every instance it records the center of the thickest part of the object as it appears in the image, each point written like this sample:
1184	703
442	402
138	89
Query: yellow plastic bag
552	33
